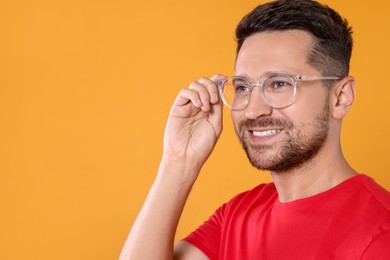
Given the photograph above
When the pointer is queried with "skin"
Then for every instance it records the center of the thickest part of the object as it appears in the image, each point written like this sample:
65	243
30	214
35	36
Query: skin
195	124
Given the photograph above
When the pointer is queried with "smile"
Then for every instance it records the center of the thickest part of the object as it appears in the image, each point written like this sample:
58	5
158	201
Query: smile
265	133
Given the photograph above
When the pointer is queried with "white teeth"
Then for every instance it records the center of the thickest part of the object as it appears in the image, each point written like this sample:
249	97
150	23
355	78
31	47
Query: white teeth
266	133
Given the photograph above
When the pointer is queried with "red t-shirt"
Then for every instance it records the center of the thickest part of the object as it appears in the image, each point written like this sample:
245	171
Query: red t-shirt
349	221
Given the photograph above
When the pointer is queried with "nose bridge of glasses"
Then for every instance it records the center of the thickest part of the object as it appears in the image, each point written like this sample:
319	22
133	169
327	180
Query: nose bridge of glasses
259	95
257	104
255	84
259	85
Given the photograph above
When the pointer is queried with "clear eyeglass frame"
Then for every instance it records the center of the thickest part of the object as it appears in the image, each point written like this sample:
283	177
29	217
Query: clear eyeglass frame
294	79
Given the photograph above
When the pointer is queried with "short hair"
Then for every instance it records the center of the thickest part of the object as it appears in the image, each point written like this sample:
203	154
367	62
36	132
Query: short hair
332	48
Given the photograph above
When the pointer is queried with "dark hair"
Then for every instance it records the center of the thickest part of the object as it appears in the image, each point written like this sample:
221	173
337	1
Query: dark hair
332	48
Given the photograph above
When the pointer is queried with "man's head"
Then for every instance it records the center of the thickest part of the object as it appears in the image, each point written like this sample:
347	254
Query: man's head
332	48
293	37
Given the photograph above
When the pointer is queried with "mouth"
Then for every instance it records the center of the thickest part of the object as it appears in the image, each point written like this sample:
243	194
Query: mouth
265	133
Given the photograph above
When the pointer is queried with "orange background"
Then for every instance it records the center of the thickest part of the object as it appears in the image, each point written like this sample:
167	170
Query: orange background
85	89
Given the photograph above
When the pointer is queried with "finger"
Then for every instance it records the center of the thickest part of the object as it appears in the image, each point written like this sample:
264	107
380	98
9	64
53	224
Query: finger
203	94
212	88
187	95
217	77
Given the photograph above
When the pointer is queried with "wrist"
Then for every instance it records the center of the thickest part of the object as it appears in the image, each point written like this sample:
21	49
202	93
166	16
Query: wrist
179	172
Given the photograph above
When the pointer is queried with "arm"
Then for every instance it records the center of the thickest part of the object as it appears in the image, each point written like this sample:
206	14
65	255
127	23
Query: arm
193	128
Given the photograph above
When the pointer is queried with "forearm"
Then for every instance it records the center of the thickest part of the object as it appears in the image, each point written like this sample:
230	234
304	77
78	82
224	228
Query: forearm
152	235
193	128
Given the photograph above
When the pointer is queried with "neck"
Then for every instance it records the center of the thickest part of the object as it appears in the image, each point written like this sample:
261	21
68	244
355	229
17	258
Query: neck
319	174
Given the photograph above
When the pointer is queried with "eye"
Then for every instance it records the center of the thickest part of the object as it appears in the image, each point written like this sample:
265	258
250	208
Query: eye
280	84
241	88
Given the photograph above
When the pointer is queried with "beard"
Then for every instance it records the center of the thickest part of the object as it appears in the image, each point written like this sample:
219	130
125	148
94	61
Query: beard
301	144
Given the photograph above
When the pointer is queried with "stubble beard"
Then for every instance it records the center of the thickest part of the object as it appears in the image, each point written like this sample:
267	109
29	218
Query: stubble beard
300	145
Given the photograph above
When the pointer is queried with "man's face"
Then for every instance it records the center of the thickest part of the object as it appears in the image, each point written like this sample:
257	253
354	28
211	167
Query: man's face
280	140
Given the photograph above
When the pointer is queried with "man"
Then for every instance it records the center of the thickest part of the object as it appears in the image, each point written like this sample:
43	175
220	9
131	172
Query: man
288	97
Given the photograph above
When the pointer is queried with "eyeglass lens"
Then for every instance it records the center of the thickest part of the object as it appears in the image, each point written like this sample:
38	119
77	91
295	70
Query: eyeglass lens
277	91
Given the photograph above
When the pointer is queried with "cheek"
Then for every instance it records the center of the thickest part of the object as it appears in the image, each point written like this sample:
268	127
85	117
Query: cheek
308	106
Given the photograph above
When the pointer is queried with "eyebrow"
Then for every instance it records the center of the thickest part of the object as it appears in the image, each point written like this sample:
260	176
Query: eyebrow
267	73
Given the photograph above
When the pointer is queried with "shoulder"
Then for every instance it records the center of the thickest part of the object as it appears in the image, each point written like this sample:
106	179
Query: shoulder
208	236
379	211
379	194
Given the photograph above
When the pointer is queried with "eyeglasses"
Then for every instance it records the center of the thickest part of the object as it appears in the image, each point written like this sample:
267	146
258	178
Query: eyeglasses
278	90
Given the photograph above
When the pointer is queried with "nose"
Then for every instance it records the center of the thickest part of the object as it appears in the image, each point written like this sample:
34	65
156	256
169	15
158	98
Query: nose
257	106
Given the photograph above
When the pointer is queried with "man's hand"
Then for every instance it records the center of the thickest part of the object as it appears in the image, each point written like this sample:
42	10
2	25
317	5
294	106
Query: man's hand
194	124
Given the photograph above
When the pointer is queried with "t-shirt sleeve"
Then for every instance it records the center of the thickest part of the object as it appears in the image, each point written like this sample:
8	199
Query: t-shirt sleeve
379	249
207	237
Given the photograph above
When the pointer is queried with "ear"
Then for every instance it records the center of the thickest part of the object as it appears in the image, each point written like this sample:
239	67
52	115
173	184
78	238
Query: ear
342	96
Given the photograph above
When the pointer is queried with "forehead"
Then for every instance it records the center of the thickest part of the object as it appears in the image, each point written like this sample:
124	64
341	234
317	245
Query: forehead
276	51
